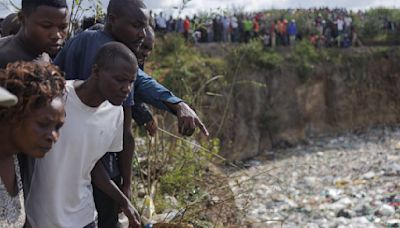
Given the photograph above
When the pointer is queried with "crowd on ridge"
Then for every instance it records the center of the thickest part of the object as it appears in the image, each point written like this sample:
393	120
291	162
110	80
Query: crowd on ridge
324	27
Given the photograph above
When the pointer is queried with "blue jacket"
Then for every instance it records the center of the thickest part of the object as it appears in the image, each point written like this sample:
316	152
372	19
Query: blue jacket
77	58
292	29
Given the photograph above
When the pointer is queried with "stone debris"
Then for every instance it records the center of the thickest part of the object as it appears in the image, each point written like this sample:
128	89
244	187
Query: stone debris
347	181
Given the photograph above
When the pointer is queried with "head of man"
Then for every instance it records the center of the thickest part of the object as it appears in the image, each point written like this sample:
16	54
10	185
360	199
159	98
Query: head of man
114	71
127	21
44	24
32	125
146	47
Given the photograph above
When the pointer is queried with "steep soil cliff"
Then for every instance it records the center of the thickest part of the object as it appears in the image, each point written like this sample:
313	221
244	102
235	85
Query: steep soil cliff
285	106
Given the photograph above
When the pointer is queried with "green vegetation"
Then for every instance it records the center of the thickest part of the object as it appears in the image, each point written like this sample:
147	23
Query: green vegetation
183	69
175	166
305	57
252	55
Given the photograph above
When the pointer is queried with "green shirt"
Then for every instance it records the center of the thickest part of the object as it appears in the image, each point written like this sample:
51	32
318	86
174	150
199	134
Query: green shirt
247	25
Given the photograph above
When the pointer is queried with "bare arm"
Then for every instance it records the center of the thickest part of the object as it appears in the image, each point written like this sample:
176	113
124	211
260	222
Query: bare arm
102	181
125	157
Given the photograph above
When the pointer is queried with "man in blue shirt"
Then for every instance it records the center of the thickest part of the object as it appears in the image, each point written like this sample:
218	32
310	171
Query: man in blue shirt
126	23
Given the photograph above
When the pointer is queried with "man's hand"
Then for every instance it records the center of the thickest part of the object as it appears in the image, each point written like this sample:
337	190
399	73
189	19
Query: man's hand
132	215
187	119
151	127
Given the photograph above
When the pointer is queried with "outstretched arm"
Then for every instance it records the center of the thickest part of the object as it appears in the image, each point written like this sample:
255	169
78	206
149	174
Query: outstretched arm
150	91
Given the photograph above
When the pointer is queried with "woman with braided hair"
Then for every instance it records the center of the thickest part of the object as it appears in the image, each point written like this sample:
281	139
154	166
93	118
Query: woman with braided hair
30	127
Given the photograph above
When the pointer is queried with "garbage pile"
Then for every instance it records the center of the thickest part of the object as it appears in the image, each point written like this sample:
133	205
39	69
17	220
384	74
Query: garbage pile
351	180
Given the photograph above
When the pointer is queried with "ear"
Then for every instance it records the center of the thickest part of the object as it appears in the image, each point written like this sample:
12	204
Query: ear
95	71
111	18
21	17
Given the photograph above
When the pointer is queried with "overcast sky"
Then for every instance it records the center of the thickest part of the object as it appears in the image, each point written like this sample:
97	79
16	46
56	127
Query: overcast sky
253	5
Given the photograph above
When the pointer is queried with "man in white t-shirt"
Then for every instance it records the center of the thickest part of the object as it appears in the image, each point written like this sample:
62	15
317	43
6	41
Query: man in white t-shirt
161	23
61	191
235	28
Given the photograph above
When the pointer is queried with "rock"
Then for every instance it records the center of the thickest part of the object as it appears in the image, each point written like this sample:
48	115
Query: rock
342	221
393	222
269	155
386	210
397	146
252	163
342	204
141	192
310	181
172	225
215	199
393	169
344	213
334	194
361	222
167	216
278	197
369	175
312	225
362	209
292	204
171	201
377	203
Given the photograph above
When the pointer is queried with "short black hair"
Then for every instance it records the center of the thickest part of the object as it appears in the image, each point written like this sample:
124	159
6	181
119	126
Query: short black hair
120	6
29	6
112	52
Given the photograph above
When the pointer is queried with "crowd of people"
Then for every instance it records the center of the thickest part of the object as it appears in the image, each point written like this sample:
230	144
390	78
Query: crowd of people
324	27
66	106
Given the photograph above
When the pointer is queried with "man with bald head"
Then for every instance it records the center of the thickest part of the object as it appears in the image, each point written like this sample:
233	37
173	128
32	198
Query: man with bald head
126	21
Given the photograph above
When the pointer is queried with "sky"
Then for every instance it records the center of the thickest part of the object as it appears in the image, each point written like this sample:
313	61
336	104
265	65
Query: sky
249	5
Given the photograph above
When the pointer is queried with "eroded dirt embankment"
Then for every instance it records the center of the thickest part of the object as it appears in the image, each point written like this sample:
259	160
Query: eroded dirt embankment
360	88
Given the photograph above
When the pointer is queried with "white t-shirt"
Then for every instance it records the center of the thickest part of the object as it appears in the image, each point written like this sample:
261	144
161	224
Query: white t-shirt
234	22
348	21
61	191
161	22
340	24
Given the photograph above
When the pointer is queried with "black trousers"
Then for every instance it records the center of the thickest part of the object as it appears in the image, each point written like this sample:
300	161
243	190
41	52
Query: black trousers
106	207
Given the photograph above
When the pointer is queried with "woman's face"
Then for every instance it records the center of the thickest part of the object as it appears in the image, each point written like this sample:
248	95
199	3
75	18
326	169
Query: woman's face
36	133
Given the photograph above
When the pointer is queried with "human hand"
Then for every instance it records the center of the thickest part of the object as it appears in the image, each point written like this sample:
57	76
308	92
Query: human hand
133	215
151	127
188	120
